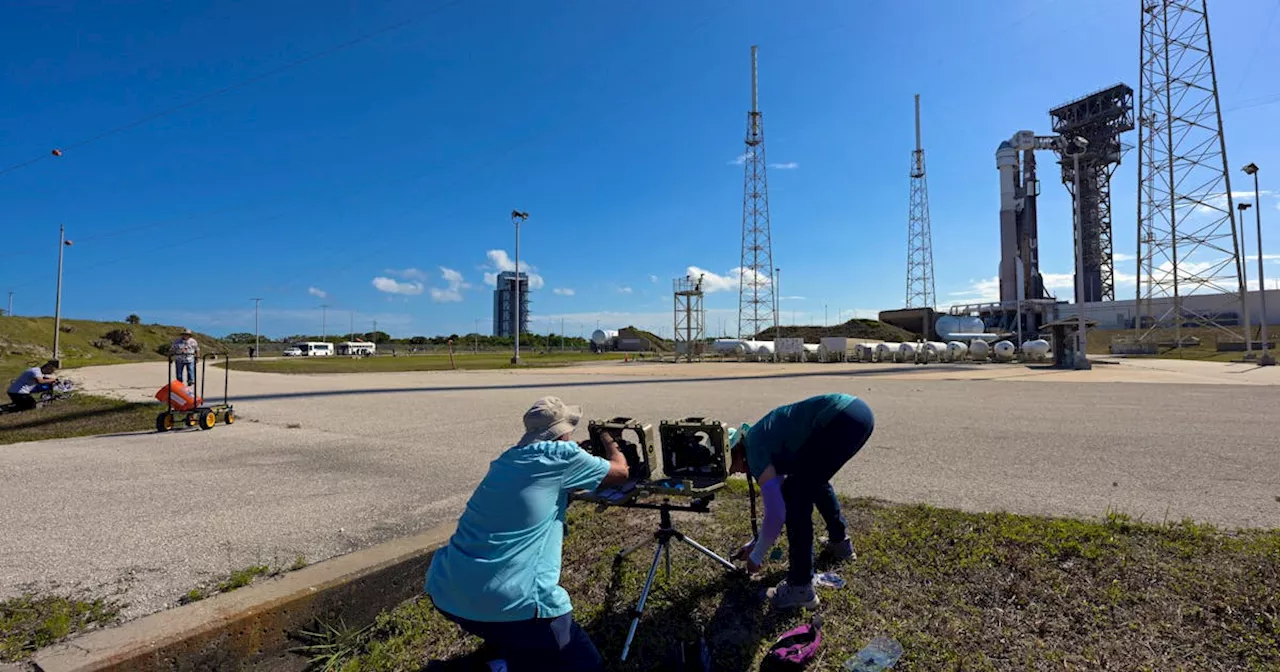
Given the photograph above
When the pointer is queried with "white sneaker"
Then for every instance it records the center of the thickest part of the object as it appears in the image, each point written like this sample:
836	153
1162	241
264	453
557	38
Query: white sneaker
787	596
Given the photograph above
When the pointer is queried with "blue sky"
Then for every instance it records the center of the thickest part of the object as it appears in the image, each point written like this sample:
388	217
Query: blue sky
378	179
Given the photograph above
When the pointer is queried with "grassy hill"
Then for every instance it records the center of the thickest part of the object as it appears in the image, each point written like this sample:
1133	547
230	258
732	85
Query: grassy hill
27	341
870	329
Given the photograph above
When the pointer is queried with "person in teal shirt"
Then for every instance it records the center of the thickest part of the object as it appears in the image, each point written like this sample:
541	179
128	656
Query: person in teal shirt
793	452
498	577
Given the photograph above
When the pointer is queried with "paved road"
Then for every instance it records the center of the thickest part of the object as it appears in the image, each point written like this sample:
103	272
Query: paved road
322	465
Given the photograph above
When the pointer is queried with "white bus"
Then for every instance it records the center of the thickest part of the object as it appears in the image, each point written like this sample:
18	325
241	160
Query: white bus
357	348
313	349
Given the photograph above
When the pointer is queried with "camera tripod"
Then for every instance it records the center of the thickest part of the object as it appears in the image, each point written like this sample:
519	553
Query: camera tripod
665	533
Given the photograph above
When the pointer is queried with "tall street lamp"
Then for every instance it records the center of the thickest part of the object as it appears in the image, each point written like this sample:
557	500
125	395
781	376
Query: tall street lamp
1082	359
1265	359
516	218
1243	270
63	243
324	322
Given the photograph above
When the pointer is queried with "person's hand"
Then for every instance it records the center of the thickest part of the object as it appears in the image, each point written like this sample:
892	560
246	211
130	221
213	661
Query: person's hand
752	567
744	553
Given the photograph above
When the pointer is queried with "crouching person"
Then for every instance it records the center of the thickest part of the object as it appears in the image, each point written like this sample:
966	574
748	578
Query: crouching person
498	578
794	451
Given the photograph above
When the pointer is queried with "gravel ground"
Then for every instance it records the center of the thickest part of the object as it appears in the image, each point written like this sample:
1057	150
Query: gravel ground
322	465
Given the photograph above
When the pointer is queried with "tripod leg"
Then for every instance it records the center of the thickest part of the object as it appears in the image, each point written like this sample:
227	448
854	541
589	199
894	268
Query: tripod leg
644	595
666	557
628	551
706	551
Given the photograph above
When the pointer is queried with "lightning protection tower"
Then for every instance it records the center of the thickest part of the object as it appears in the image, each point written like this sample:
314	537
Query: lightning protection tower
1187	240
920	289
690	319
756	305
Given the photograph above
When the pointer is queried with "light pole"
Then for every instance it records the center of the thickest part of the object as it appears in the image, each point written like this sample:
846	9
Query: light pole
516	218
257	348
475	342
10	311
324	322
1082	359
63	243
1243	269
1265	359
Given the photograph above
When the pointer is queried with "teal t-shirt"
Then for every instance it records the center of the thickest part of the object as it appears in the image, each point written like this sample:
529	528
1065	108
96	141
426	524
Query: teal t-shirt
780	433
503	561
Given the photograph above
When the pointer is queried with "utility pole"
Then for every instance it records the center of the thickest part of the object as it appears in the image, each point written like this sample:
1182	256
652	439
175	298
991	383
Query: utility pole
1082	359
476	338
1265	359
324	318
10	311
1243	270
63	243
516	218
375	332
257	348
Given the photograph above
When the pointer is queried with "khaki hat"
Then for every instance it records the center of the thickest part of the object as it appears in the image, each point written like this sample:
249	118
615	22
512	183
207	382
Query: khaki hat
185	332
549	419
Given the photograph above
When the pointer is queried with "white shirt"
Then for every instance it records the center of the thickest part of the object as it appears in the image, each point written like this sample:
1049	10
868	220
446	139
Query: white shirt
27	381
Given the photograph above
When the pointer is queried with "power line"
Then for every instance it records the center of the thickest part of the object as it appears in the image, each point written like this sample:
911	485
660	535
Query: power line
230	87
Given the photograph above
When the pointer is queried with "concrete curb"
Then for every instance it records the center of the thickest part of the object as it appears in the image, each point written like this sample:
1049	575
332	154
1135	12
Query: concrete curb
234	629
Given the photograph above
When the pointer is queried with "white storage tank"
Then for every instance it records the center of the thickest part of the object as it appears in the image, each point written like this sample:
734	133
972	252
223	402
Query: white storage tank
949	326
958	350
727	345
887	352
907	352
867	352
936	352
1036	350
763	347
1003	351
604	337
979	350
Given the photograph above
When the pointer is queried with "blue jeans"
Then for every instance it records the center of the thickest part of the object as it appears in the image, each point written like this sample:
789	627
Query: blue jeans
179	365
537	644
808	485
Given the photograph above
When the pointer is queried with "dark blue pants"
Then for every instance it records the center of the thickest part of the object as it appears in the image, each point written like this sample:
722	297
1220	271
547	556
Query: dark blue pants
808	484
538	643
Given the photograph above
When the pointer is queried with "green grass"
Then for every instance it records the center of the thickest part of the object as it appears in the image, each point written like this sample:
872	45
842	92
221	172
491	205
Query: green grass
959	591
239	578
77	415
432	362
28	341
29	622
1205	351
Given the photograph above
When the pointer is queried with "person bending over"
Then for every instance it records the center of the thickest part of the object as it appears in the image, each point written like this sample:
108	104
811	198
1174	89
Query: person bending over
498	578
793	451
36	379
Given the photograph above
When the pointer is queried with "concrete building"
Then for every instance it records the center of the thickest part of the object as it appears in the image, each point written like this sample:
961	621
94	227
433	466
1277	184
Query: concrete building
504	307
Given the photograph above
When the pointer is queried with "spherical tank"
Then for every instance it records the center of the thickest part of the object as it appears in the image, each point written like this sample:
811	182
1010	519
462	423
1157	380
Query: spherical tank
1003	351
1036	350
979	349
603	337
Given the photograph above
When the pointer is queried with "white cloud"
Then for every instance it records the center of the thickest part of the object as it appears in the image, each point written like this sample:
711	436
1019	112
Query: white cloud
1121	256
653	278
742	158
454	284
391	286
714	282
499	262
407	274
979	291
790	165
624	290
314	291
562	291
792	298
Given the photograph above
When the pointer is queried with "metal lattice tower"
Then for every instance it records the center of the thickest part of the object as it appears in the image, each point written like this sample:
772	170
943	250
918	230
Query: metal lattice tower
920	289
756	305
1100	118
1186	216
689	319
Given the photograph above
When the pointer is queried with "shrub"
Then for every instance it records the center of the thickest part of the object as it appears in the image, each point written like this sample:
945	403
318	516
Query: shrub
133	319
134	347
66	328
119	337
163	349
99	343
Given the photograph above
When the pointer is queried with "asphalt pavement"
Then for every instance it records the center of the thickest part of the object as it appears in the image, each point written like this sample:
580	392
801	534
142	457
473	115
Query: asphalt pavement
322	465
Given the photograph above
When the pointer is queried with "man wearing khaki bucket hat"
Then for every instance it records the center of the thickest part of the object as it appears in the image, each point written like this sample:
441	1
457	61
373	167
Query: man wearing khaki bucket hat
498	578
